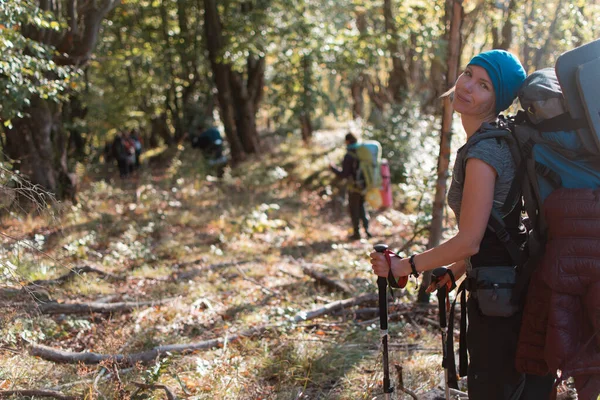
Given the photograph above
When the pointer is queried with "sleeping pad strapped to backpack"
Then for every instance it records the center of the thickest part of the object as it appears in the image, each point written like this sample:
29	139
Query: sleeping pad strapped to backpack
368	153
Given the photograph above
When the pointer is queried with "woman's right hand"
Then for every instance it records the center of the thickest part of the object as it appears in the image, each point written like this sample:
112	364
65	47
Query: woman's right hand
458	269
435	285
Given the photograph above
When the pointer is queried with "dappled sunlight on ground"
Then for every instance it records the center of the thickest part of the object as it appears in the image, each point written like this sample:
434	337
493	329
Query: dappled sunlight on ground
222	256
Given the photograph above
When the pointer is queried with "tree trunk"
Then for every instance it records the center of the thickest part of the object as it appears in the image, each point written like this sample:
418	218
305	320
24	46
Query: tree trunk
172	103
306	129
358	102
398	82
502	38
543	51
30	143
247	96
37	141
74	110
527	18
307	100
435	235
221	74
160	129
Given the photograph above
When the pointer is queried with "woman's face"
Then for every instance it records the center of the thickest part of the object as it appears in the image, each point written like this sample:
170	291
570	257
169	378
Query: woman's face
474	93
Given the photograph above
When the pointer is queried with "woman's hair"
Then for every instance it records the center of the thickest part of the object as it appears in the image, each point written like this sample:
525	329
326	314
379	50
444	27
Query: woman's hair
448	92
350	138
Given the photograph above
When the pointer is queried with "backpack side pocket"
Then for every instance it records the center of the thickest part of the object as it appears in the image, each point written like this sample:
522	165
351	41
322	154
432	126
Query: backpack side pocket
494	287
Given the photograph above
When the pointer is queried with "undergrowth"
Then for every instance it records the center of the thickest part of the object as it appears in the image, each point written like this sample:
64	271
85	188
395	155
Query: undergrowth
224	255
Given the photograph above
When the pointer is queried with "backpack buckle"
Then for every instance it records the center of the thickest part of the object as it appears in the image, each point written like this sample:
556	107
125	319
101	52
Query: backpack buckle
503	235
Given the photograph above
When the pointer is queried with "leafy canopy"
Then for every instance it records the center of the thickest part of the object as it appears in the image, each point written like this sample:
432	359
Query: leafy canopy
27	68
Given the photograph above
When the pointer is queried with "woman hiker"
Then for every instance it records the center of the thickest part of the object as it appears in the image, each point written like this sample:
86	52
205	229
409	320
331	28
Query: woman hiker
481	180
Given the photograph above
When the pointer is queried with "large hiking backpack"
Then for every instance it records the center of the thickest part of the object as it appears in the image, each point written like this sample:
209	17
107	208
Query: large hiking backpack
555	144
368	153
551	150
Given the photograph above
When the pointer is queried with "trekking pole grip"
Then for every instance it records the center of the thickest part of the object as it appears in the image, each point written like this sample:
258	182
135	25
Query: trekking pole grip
382	286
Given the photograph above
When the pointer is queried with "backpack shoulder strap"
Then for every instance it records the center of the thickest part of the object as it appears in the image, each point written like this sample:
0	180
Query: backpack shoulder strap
450	361
487	131
498	226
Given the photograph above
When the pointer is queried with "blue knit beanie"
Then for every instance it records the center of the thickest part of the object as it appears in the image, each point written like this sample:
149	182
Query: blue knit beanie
505	71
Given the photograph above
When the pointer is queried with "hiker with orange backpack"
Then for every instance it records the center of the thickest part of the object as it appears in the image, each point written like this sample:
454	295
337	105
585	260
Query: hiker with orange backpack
356	186
482	178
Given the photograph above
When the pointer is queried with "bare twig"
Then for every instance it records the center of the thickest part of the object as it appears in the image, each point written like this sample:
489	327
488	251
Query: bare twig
97	380
415	235
392	316
170	395
103	308
187	275
401	383
76	271
322	278
257	283
290	273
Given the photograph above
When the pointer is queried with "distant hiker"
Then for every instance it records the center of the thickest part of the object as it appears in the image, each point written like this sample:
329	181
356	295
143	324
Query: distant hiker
120	153
482	177
210	143
137	145
129	144
356	186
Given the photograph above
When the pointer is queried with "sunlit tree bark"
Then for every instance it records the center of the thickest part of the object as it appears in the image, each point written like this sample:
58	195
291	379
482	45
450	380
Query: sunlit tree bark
454	48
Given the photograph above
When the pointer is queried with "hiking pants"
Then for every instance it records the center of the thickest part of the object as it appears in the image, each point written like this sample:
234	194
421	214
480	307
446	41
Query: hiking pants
358	212
123	166
492	345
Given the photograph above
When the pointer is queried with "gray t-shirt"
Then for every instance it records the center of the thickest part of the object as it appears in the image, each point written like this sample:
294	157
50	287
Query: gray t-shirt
494	152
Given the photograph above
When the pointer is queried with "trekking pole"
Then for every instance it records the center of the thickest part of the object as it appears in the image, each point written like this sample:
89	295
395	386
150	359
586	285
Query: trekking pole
383	325
442	293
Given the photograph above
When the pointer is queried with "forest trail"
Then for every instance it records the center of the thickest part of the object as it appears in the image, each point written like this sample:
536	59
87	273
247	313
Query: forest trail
239	288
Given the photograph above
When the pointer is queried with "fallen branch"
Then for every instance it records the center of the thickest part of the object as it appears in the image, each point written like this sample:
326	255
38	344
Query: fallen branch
170	395
68	357
336	305
322	278
95	307
360	313
9	293
73	272
401	383
391	317
39	393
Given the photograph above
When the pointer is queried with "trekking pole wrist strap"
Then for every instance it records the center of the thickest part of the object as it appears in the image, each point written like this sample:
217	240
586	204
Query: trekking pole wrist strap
452	279
391	278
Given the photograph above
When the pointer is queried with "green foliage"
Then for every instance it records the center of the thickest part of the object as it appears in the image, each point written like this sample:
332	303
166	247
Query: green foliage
153	374
27	68
150	61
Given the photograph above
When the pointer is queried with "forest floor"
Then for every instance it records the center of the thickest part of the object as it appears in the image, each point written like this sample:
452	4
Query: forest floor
175	283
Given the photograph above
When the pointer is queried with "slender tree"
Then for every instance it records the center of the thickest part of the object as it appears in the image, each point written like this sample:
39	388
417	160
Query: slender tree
455	19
